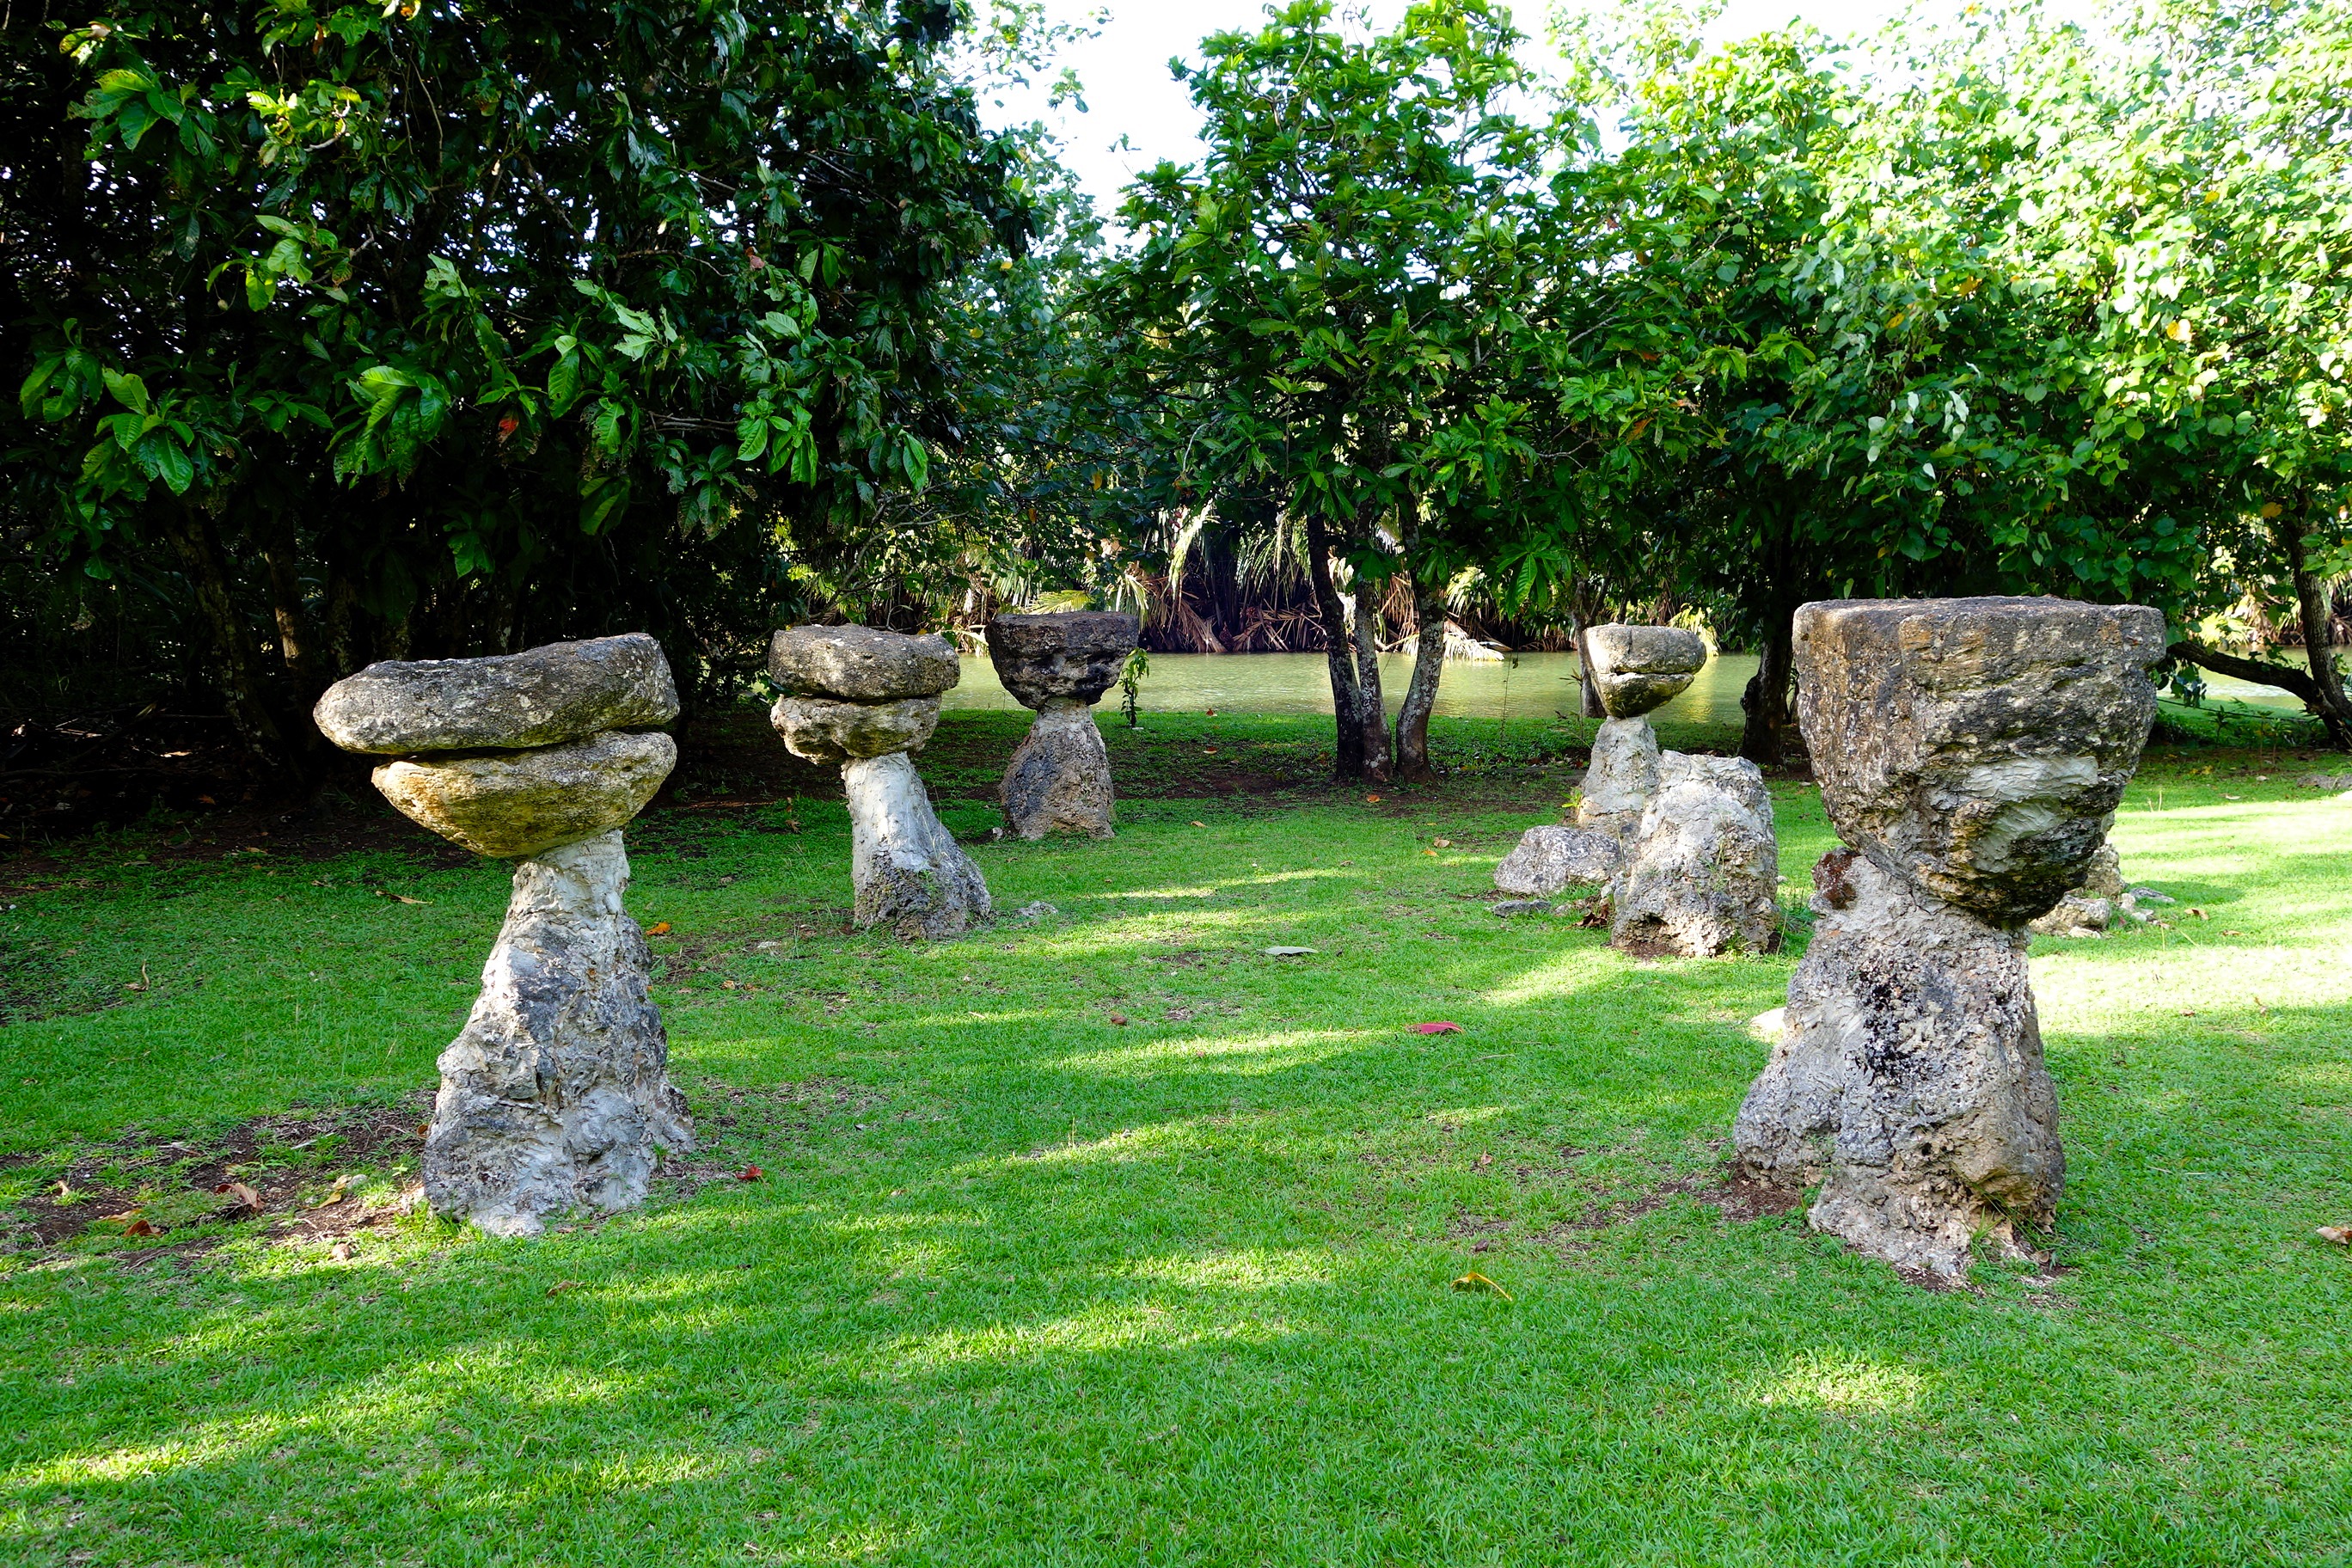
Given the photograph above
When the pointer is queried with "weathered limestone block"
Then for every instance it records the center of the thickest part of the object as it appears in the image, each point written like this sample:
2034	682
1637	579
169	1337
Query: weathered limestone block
1622	777
861	664
508	804
1072	654
556	1093
864	699
1702	875
1059	780
1637	669
1550	860
1908	1079
825	731
559	692
1736	776
1977	746
909	870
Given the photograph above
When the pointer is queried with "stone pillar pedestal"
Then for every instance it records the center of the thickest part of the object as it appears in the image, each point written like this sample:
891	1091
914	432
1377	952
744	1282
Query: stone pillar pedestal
1973	752
556	1093
1060	664
1059	780
866	699
908	871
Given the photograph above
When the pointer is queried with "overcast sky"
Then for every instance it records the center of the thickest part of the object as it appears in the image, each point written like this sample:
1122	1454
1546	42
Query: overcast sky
1129	93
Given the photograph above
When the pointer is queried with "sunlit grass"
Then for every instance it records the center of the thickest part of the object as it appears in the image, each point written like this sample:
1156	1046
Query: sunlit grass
1020	1284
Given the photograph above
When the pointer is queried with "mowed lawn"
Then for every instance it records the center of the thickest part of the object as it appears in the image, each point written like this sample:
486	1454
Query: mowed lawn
1107	1239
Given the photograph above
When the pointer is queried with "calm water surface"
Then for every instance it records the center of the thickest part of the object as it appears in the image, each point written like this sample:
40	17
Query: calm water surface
1538	686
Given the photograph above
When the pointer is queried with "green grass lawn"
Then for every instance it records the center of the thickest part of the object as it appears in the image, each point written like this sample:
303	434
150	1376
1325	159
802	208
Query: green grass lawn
1022	1284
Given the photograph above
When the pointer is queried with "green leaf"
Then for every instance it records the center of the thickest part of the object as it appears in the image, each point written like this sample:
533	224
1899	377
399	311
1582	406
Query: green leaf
128	390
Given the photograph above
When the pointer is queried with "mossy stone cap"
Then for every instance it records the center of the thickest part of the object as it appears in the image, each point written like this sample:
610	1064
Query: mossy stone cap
543	697
1637	669
861	664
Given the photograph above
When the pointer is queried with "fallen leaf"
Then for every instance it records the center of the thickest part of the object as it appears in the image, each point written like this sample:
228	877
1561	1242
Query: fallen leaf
1288	952
1209	713
1200	824
1119	1018
2233	934
748	1174
1443	843
424	1130
1474	1280
405	899
560	1286
2341	1235
728	985
138	1228
2189	1012
1371	800
2233	797
1483	1160
341	1252
242	1194
661	930
1439	1026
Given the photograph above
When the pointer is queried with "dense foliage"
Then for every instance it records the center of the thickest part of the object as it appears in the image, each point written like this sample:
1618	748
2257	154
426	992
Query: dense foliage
347	331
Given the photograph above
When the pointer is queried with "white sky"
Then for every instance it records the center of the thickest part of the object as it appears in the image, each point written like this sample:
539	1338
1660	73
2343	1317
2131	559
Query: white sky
1129	93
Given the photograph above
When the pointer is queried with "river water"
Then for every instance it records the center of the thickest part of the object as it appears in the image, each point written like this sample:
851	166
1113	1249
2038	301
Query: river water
1534	686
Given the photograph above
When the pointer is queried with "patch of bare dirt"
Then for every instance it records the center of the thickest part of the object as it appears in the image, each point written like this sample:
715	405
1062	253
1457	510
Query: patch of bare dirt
1736	1198
297	1169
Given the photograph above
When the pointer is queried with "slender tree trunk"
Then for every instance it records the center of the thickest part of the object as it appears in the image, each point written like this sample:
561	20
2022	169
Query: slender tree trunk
1337	643
1372	708
1421	696
1764	739
2318	630
1588	702
236	667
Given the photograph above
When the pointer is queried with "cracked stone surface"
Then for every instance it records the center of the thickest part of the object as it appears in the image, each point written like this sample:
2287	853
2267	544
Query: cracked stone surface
1977	747
1550	860
557	1094
1059	779
1971	752
513	804
1908	1079
861	664
1702	875
1637	669
563	691
1076	655
908	871
1621	778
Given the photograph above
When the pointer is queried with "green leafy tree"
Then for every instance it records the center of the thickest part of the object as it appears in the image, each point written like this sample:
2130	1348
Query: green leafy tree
429	328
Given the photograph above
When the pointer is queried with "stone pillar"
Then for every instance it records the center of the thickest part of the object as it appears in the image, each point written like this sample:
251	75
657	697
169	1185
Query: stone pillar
1060	664
1634	668
864	699
557	1092
1972	752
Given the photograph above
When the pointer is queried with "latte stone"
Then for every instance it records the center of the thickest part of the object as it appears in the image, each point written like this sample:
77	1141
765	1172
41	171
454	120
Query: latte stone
1637	669
556	1096
1971	752
863	698
1059	779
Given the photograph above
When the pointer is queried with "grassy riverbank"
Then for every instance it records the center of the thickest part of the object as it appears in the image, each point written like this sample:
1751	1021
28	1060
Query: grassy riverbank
1108	1238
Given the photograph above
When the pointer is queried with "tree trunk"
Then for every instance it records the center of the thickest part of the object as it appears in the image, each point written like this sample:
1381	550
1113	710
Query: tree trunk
1337	643
237	672
2334	709
1372	708
1764	740
1421	695
1588	702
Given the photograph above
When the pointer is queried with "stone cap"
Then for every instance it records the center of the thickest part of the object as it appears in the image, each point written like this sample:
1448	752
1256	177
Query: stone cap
1075	653
1977	748
1637	669
827	729
860	664
563	691
520	803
